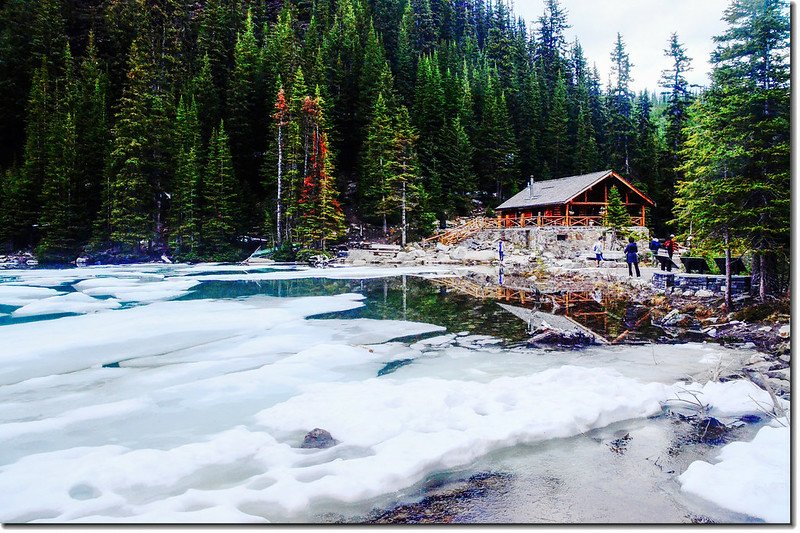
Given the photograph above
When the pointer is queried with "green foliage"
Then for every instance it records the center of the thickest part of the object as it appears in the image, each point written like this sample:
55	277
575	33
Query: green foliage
492	102
220	206
616	215
737	185
285	253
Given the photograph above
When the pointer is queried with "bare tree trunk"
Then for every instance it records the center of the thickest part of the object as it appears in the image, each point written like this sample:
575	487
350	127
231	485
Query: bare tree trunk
762	286
403	234
728	276
279	214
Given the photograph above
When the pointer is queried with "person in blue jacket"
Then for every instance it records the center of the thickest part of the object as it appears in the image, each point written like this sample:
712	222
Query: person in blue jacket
655	244
632	257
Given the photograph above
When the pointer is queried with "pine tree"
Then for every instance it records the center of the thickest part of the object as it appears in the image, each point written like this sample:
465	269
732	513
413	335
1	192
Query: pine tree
678	101
205	93
555	143
616	215
497	153
458	177
374	192
185	214
139	155
29	182
737	151
620	103
61	220
244	106
405	187
91	122
219	200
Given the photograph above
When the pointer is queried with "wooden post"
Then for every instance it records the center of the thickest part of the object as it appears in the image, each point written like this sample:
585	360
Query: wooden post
499	221
522	219
643	215
566	214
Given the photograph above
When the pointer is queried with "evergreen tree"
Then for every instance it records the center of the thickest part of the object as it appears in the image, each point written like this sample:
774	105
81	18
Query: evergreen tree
737	151
497	153
244	107
620	124
678	101
374	186
405	187
91	122
219	199
60	221
205	93
186	215
458	177
555	143
616	215
25	192
139	154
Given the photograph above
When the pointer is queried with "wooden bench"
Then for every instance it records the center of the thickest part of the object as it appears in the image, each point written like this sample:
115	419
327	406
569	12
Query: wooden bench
737	265
664	262
695	264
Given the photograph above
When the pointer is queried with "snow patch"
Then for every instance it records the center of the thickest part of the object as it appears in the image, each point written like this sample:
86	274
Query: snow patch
750	478
74	302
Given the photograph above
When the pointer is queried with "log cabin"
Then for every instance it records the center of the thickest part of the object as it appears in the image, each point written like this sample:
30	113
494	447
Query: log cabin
572	201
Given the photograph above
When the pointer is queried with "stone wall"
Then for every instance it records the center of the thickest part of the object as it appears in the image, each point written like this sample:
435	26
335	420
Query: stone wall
697	282
561	242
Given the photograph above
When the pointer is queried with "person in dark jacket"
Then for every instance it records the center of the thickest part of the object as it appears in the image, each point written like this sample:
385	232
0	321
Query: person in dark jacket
632	257
655	244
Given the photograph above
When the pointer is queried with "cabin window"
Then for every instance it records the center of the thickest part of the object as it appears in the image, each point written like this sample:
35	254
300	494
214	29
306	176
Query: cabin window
561	237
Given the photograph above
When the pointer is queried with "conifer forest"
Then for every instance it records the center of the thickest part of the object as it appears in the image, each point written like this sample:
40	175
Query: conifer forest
188	127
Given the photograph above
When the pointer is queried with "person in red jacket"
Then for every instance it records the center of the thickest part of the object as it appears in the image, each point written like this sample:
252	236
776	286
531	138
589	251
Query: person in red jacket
669	246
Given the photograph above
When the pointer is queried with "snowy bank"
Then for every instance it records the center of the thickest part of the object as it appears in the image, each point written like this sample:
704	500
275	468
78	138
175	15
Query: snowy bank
750	478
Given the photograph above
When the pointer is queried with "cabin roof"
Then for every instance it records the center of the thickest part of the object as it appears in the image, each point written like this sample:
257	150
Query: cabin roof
561	190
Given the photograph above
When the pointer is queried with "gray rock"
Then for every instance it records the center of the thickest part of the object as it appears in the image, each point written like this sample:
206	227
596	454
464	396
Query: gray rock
782	373
480	256
458	253
318	438
784	331
702	293
442	247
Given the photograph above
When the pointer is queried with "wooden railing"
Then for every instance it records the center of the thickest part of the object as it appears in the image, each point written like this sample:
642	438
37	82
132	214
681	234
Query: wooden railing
474	225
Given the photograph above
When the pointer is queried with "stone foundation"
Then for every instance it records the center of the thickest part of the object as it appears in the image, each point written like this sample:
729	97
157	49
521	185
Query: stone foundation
560	242
696	282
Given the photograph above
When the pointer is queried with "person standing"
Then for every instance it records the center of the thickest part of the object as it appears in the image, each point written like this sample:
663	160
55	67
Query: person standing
632	257
654	246
500	251
598	250
669	246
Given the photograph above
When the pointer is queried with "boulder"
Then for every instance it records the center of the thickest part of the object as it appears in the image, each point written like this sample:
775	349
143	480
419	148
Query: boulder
458	253
318	438
557	337
702	293
784	331
442	247
480	256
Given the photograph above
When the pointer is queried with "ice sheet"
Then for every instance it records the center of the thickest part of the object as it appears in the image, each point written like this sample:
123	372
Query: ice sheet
74	302
750	477
199	411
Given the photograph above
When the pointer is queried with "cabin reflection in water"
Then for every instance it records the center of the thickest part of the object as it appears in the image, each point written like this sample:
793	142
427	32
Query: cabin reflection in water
607	318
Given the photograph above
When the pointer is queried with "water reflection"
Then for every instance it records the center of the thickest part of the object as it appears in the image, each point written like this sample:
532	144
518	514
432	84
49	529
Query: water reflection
606	316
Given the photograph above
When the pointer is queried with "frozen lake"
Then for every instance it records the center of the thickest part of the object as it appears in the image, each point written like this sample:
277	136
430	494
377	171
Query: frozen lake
177	393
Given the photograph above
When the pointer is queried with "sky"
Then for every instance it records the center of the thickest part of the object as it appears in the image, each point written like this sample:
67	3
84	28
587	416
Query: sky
646	26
